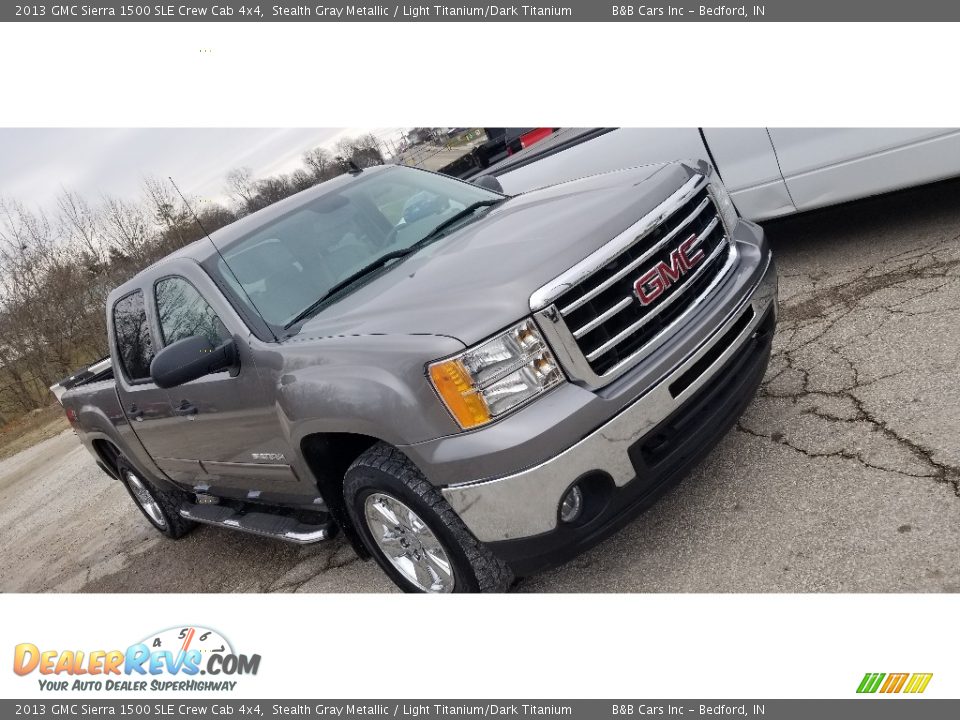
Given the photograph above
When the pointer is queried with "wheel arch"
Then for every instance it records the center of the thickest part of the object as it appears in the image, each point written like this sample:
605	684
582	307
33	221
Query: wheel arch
328	455
107	455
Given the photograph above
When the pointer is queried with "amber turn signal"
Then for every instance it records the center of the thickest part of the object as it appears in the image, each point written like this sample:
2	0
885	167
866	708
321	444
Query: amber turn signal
455	387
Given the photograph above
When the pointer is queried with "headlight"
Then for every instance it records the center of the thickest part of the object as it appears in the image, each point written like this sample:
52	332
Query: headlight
490	379
721	198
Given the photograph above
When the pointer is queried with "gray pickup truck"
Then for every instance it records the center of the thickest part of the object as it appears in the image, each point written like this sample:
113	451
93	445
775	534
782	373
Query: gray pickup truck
471	386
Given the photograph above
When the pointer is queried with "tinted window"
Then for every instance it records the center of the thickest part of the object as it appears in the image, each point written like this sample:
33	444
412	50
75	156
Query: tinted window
183	313
133	336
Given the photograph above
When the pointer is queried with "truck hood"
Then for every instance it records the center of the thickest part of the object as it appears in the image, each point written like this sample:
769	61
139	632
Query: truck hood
479	279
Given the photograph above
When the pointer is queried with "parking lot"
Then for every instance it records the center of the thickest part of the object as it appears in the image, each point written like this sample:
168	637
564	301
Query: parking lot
842	476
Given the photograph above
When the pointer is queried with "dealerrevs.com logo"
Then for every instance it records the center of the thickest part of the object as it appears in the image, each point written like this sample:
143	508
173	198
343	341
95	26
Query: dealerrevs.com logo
172	659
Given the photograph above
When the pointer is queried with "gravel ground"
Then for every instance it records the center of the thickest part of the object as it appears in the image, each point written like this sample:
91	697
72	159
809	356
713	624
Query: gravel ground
842	476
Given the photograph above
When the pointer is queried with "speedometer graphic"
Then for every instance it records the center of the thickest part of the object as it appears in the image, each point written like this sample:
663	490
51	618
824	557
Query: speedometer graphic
189	637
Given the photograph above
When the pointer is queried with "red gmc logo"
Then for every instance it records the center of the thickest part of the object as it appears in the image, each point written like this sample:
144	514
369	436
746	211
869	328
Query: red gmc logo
653	283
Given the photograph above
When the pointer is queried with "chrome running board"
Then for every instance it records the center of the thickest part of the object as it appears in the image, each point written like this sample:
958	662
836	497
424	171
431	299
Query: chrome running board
260	523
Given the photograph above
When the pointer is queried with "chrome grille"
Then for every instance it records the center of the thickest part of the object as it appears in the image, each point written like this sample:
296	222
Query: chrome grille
600	313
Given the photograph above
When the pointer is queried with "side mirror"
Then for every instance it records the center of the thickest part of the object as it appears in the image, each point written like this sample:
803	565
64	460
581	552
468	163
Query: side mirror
189	359
488	182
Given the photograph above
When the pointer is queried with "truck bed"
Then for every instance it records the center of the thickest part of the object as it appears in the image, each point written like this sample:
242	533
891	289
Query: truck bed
99	398
90	401
102	369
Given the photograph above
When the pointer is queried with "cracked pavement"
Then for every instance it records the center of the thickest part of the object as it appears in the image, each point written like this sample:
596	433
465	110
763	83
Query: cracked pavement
843	475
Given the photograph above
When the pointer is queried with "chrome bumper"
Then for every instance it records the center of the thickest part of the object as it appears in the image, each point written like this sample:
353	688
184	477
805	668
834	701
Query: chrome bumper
525	503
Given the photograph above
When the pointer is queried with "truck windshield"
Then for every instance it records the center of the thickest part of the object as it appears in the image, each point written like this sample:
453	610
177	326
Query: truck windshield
336	240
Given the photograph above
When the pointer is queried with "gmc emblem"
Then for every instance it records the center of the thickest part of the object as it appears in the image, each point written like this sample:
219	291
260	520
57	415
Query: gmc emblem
653	283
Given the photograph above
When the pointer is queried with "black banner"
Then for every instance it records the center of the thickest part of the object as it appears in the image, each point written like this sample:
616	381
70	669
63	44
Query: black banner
568	11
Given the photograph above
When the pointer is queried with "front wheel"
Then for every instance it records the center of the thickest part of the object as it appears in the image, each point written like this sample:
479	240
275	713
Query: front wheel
411	531
161	506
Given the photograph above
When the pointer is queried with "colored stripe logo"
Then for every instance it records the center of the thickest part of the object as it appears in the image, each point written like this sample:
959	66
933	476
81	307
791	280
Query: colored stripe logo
913	683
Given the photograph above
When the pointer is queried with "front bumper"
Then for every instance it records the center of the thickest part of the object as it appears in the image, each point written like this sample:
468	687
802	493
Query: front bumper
631	459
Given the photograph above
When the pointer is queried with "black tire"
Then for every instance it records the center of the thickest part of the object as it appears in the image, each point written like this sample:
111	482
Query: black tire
168	501
384	469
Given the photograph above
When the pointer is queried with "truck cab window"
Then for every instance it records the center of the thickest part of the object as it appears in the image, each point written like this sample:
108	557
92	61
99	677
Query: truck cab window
134	344
183	313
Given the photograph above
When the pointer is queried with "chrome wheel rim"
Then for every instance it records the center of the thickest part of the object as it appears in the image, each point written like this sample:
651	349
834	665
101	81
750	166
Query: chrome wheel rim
145	499
406	541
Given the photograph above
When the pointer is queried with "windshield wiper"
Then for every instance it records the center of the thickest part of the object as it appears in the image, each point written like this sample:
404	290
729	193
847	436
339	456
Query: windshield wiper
434	234
454	219
350	280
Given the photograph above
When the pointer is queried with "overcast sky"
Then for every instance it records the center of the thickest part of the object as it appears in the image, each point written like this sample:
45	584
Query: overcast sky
35	163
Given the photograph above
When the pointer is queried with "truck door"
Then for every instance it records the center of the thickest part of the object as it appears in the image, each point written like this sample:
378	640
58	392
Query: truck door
824	166
146	406
226	424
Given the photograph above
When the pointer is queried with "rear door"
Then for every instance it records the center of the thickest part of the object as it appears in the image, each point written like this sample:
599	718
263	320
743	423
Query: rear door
824	166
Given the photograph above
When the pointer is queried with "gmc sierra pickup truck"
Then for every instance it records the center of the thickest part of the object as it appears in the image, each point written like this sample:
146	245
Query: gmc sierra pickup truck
471	392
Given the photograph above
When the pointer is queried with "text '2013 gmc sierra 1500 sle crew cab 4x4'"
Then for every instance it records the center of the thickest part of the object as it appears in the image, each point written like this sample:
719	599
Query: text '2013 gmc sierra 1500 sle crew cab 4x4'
471	394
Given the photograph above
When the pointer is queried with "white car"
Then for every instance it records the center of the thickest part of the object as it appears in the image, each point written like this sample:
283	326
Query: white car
769	172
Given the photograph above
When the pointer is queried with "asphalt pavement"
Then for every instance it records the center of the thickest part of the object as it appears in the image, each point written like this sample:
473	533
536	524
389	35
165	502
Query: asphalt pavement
842	476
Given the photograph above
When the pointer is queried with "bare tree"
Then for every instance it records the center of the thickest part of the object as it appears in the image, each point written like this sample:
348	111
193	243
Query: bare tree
364	150
81	224
241	187
126	226
167	208
320	164
271	190
301	180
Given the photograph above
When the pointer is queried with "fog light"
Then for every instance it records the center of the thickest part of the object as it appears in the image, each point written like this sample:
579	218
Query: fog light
571	507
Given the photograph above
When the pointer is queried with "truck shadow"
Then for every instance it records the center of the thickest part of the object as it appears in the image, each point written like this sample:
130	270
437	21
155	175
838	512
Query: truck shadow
215	560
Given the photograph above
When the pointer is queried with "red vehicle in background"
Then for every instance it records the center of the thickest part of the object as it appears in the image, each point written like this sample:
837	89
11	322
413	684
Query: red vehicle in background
529	138
504	142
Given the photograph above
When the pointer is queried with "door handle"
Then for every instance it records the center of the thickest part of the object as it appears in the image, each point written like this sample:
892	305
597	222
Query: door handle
135	413
187	408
